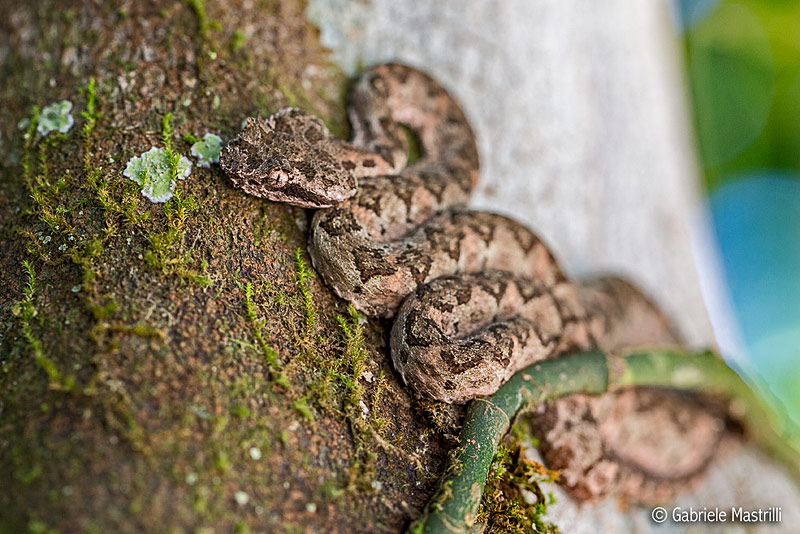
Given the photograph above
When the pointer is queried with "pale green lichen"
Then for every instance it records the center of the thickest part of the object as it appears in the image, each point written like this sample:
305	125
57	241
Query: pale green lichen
241	497
207	150
153	171
55	118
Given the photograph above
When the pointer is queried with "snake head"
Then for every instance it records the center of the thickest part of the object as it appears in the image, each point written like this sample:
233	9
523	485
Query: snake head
289	157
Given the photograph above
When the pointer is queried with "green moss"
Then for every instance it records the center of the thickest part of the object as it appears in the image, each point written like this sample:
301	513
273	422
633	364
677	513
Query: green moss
85	257
165	257
301	406
304	276
39	527
90	116
362	414
166	138
271	225
45	194
355	354
335	384
98	184
198	7
128	207
237	40
189	138
25	309
168	252
30	133
258	324
179	209
503	507
142	330
379	423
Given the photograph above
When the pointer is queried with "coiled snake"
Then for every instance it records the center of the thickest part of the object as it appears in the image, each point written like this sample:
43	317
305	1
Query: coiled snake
475	296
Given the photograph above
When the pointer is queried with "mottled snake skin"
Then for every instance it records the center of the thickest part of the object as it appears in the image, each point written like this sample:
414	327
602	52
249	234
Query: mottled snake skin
476	296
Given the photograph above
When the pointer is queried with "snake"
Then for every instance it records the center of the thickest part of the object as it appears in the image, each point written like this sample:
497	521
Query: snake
474	296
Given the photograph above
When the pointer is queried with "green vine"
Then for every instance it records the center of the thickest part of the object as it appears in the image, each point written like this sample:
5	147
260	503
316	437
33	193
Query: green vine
456	507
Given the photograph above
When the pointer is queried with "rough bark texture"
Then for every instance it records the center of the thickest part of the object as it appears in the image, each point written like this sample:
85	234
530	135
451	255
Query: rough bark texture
176	367
175	406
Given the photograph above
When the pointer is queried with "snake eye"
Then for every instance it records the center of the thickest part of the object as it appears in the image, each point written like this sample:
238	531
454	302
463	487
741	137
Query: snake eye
279	177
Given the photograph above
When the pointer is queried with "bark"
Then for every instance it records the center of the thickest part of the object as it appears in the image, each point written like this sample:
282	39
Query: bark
177	367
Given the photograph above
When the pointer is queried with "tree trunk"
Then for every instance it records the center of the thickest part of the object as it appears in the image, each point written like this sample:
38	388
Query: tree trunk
177	367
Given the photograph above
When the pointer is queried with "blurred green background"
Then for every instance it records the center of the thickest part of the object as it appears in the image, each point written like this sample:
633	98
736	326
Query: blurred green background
743	62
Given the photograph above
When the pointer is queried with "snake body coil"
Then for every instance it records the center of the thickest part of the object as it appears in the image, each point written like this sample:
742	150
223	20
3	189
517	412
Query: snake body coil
475	296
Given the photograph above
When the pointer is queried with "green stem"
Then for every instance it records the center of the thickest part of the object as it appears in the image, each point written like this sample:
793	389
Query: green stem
454	508
706	373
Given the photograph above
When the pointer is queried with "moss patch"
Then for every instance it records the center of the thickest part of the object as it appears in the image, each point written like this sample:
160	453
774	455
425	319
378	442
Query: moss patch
148	350
513	501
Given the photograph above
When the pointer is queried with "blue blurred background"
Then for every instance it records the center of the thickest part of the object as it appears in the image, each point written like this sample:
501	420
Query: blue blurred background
743	60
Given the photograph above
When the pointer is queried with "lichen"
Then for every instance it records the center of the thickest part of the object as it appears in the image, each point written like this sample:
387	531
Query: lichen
241	497
207	150
152	171
56	118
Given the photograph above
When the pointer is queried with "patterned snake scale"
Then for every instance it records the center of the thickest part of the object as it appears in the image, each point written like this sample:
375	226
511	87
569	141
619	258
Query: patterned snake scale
476	296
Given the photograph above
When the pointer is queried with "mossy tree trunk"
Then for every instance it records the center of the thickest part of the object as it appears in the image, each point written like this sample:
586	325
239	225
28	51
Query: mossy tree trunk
177	367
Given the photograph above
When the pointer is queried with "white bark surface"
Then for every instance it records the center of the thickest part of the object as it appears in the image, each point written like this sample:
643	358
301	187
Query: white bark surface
581	116
744	479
